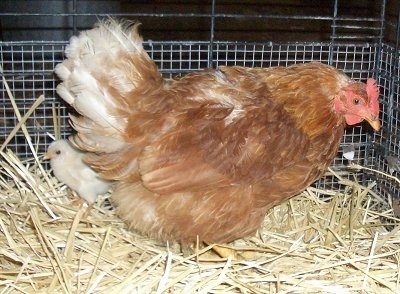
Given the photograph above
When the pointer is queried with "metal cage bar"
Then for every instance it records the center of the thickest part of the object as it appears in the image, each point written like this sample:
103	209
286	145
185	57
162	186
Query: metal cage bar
356	44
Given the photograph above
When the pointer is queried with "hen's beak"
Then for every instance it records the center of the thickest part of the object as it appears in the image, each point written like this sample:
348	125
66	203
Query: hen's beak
46	156
374	122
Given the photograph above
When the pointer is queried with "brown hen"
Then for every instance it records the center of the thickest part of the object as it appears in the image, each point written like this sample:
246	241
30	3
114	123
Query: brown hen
204	155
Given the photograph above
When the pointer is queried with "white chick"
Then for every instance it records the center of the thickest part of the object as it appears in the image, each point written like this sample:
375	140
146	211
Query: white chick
69	168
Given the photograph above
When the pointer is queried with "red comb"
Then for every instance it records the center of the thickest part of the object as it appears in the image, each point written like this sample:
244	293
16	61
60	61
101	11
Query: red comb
373	94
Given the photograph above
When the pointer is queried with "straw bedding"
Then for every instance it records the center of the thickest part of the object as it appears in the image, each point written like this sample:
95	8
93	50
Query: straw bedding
318	242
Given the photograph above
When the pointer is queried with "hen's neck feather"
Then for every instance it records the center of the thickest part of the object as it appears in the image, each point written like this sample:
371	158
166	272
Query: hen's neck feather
307	92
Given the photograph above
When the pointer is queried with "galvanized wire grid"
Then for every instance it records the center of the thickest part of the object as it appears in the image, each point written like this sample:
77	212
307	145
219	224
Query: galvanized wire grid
356	44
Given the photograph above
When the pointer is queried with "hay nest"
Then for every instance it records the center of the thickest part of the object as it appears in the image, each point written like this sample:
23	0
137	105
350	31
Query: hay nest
318	242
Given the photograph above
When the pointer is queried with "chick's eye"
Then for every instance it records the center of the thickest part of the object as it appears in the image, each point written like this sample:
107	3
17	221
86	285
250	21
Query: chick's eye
58	152
356	101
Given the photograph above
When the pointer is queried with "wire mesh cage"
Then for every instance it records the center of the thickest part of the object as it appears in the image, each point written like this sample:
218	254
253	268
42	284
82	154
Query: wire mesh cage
360	39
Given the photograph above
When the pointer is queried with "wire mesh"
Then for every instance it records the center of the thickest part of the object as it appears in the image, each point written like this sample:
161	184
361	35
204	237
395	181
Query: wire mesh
360	40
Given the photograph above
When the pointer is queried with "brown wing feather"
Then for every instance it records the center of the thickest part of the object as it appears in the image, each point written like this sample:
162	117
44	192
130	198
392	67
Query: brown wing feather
204	151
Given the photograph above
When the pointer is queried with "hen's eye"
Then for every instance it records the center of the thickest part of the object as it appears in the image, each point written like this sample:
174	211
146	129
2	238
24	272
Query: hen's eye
356	101
58	152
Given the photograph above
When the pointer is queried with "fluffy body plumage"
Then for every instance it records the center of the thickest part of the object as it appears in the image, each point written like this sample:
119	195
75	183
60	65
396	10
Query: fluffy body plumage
208	153
69	168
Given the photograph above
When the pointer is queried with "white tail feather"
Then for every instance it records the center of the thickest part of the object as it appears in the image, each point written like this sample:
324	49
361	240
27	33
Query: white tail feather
65	94
62	70
103	68
109	36
86	56
92	101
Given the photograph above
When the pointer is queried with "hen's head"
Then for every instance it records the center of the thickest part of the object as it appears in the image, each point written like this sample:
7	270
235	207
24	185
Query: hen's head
359	102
